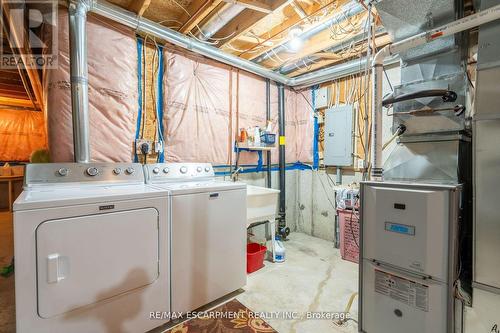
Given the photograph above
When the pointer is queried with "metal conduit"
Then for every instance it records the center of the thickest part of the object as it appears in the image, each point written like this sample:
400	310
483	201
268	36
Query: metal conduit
79	80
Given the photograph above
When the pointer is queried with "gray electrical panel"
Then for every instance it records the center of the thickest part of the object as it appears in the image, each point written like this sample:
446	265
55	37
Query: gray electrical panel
338	136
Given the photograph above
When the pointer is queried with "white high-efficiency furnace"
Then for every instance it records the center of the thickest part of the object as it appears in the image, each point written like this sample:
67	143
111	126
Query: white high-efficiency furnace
91	250
408	257
208	232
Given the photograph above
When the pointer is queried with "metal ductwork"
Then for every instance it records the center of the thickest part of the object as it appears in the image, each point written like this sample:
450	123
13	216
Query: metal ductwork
219	20
310	60
347	11
402	46
151	28
79	79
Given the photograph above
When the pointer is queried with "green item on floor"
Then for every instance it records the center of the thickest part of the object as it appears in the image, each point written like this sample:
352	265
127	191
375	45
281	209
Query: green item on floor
8	270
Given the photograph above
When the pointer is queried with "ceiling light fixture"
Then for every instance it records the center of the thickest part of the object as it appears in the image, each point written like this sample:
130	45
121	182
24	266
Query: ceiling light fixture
296	41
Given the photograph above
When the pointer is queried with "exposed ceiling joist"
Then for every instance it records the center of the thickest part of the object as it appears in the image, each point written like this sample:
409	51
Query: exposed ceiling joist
198	10
331	60
319	42
265	38
245	21
239	24
257	5
15	102
139	6
278	32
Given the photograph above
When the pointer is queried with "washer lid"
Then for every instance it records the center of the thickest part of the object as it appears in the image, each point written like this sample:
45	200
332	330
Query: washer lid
58	196
200	186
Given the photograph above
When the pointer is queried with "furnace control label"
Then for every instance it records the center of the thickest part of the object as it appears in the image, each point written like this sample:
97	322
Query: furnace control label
403	290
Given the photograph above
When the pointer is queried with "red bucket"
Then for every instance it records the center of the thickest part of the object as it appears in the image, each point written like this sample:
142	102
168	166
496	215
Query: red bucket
255	257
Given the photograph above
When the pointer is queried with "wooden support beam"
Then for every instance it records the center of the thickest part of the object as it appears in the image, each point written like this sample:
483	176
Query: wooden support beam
246	20
33	74
139	6
259	6
16	102
198	10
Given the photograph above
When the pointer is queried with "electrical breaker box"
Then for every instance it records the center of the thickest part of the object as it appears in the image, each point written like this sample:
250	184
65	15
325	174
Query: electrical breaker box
338	140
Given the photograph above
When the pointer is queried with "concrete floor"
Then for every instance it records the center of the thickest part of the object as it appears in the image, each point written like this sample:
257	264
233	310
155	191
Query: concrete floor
312	279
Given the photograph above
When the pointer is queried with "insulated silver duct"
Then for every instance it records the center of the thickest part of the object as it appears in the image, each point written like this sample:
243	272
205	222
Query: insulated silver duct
79	79
347	11
216	22
312	59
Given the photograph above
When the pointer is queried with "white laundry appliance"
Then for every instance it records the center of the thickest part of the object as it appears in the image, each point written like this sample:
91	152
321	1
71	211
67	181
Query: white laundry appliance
91	250
208	233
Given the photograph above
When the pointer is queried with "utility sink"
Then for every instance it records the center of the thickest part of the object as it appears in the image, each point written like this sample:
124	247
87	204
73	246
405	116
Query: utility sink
262	203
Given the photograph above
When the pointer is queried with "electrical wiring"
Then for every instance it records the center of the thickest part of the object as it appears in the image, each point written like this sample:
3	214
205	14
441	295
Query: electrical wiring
200	30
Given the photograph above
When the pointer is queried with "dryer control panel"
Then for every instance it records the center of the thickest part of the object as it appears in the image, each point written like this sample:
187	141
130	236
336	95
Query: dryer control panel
82	173
174	172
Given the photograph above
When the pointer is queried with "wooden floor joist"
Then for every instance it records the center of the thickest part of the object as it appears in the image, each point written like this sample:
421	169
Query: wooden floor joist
139	6
198	10
245	21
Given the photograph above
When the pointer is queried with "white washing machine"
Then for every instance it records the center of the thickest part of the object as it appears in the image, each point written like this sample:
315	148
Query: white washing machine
208	233
91	250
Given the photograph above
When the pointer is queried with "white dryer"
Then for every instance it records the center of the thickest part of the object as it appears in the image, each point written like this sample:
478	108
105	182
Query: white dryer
91	250
208	233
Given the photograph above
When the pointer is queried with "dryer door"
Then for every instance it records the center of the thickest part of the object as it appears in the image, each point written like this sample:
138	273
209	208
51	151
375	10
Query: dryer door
87	259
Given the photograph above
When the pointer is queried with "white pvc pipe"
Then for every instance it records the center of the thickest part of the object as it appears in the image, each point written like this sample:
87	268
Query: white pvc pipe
468	22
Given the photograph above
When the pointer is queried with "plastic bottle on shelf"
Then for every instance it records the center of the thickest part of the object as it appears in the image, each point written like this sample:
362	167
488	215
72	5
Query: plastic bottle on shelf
257	136
279	250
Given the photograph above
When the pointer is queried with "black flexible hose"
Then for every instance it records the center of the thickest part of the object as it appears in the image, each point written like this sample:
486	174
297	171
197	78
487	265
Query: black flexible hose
446	96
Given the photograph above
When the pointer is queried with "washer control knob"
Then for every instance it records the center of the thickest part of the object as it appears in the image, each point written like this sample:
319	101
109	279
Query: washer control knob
63	171
92	171
184	169
156	170
199	169
129	170
166	170
207	169
117	171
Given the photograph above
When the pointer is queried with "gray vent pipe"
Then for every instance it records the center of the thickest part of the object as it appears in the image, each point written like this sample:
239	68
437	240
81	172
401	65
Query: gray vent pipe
79	79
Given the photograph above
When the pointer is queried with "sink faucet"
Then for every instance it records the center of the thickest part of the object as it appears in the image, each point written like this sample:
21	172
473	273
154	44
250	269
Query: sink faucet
234	174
